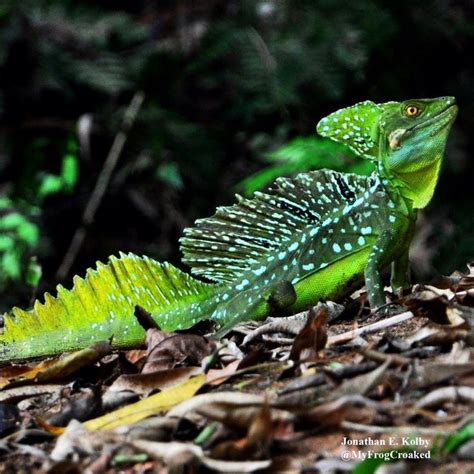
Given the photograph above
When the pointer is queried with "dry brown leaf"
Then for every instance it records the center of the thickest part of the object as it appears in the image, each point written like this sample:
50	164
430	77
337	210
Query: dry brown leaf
348	407
255	445
76	438
431	374
149	406
433	335
13	395
301	383
259	434
435	306
136	356
195	403
167	350
49	428
168	452
253	357
362	384
156	428
59	368
144	384
458	281
382	357
80	405
312	338
240	416
218	376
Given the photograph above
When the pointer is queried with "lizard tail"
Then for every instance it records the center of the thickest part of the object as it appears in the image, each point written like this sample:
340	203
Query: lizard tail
101	306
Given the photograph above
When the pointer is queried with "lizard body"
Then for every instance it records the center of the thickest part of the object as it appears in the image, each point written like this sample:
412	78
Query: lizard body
319	235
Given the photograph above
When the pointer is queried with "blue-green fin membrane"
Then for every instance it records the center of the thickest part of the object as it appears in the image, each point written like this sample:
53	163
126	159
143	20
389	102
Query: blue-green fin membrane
220	248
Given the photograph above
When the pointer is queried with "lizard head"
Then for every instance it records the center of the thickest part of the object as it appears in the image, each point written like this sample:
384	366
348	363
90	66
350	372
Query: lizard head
412	138
414	132
407	139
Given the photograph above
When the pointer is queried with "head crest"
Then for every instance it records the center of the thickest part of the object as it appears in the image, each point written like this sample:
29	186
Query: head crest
355	127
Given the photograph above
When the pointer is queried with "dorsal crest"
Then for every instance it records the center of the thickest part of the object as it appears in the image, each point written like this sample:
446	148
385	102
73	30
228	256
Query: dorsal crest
225	245
356	127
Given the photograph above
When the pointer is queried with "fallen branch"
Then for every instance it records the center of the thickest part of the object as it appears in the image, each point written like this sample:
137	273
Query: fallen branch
348	336
447	394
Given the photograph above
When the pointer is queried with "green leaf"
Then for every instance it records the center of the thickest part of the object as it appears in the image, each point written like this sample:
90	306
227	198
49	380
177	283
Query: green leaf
50	184
65	182
6	242
169	173
454	441
10	265
304	154
28	233
69	172
17	236
12	221
34	272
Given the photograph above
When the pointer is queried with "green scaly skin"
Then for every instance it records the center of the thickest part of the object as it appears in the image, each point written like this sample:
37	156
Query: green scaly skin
319	235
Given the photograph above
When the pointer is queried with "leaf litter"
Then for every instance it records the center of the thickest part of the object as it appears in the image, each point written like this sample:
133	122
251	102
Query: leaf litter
333	389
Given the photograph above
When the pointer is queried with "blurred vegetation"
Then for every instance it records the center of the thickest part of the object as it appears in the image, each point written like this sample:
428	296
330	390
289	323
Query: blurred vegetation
233	90
304	154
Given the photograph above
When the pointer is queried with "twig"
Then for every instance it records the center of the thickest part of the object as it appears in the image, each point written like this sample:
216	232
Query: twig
101	185
381	357
348	336
463	394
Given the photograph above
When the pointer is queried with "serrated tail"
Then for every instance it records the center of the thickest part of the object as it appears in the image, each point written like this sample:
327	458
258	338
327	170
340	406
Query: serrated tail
101	307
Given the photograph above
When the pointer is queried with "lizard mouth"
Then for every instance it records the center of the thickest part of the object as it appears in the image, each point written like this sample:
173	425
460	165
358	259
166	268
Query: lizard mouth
447	114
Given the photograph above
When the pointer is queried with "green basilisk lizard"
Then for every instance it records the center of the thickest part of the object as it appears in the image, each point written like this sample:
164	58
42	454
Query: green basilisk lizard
316	236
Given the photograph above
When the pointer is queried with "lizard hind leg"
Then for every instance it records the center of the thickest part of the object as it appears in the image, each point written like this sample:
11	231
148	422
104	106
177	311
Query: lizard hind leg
373	280
400	277
255	305
280	295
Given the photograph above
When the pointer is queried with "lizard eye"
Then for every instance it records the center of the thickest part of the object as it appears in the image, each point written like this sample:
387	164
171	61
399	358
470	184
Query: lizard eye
412	111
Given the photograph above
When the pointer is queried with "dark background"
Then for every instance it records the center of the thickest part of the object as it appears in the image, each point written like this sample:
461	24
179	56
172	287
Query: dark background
225	83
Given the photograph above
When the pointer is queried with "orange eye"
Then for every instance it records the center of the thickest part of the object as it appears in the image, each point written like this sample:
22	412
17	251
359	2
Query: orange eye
412	110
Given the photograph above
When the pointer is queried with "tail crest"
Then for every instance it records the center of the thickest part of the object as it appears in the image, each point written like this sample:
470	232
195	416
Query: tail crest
101	306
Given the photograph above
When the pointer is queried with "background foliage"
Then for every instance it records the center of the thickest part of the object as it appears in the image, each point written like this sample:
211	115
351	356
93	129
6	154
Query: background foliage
232	89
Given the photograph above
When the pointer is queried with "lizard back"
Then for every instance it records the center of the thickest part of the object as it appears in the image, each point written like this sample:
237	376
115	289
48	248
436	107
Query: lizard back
314	230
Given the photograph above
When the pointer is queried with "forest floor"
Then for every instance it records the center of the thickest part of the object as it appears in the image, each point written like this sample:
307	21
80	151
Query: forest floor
334	389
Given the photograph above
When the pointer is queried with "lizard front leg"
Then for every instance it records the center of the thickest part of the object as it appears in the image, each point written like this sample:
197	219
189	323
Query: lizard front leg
373	280
400	276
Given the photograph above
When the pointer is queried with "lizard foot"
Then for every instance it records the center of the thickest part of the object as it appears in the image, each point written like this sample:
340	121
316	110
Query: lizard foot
389	309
